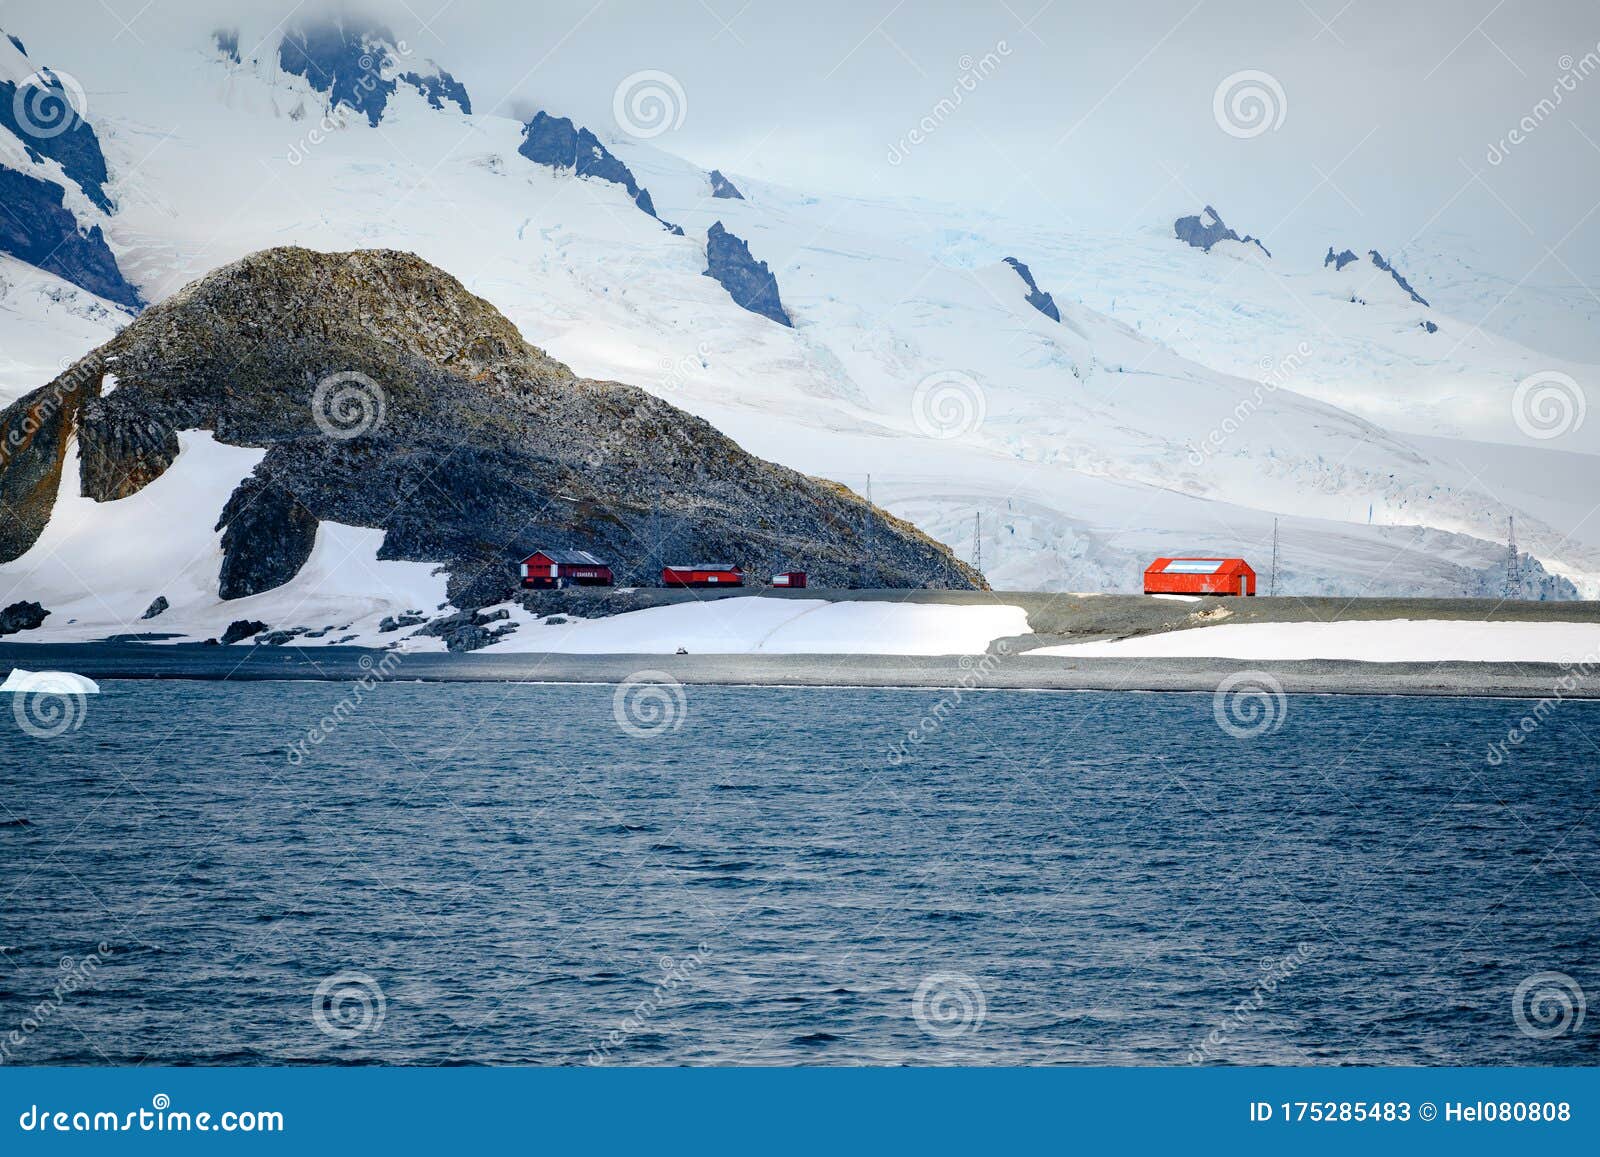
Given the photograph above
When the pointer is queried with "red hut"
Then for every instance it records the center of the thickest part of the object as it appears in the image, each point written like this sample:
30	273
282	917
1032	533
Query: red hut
1199	576
703	574
790	578
565	568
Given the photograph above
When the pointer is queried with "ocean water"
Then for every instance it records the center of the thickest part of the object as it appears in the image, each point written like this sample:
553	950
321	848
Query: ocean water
492	874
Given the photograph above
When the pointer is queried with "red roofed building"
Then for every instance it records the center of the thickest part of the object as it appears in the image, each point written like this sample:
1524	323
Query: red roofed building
1199	576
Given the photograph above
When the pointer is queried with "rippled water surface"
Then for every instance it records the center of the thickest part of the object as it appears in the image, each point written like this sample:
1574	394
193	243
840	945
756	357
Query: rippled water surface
492	874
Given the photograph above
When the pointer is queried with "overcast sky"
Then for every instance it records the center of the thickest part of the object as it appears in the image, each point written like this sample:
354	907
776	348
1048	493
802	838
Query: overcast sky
1382	114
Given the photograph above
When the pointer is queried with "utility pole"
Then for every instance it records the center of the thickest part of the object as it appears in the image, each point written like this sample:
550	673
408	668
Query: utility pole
1513	568
1272	583
977	541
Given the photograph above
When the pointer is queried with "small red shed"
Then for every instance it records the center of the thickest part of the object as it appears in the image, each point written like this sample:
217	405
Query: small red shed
790	578
565	568
1199	576
702	574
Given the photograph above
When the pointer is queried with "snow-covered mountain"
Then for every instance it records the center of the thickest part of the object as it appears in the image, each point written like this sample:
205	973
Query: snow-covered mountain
1185	398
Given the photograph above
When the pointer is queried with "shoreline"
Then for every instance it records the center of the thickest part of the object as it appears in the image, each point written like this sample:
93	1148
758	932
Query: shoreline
1014	671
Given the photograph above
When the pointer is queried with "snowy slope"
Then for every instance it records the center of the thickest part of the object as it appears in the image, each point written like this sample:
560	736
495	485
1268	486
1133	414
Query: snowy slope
45	324
1085	446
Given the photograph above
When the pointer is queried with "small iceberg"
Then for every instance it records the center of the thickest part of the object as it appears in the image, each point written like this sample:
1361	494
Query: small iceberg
49	683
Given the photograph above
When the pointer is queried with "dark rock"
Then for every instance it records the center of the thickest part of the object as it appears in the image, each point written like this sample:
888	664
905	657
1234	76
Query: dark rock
279	638
1377	259
1037	298
36	228
396	622
748	281
1207	229
34	434
468	630
266	537
488	450
440	88
560	144
156	607
227	42
121	449
76	148
346	65
14	40
1428	325
722	187
209	643
22	616
1338	260
241	629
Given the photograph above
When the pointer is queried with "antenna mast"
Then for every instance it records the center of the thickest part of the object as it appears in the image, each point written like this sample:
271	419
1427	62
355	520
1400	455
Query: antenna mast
1272	583
1513	567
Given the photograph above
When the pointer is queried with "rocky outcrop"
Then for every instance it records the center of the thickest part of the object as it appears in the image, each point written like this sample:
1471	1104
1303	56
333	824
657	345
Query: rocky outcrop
748	281
438	88
242	629
1207	228
560	144
1037	298
35	432
1338	260
1378	260
23	616
722	187
266	538
480	448
469	630
346	66
37	228
157	607
42	116
227	42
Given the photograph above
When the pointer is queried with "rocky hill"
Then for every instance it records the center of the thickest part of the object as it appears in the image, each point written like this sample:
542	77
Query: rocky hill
387	396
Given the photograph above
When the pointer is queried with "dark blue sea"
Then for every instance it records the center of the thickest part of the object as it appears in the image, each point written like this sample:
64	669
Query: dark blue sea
507	874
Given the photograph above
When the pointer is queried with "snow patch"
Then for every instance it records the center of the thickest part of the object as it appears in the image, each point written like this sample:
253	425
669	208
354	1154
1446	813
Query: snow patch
1375	641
